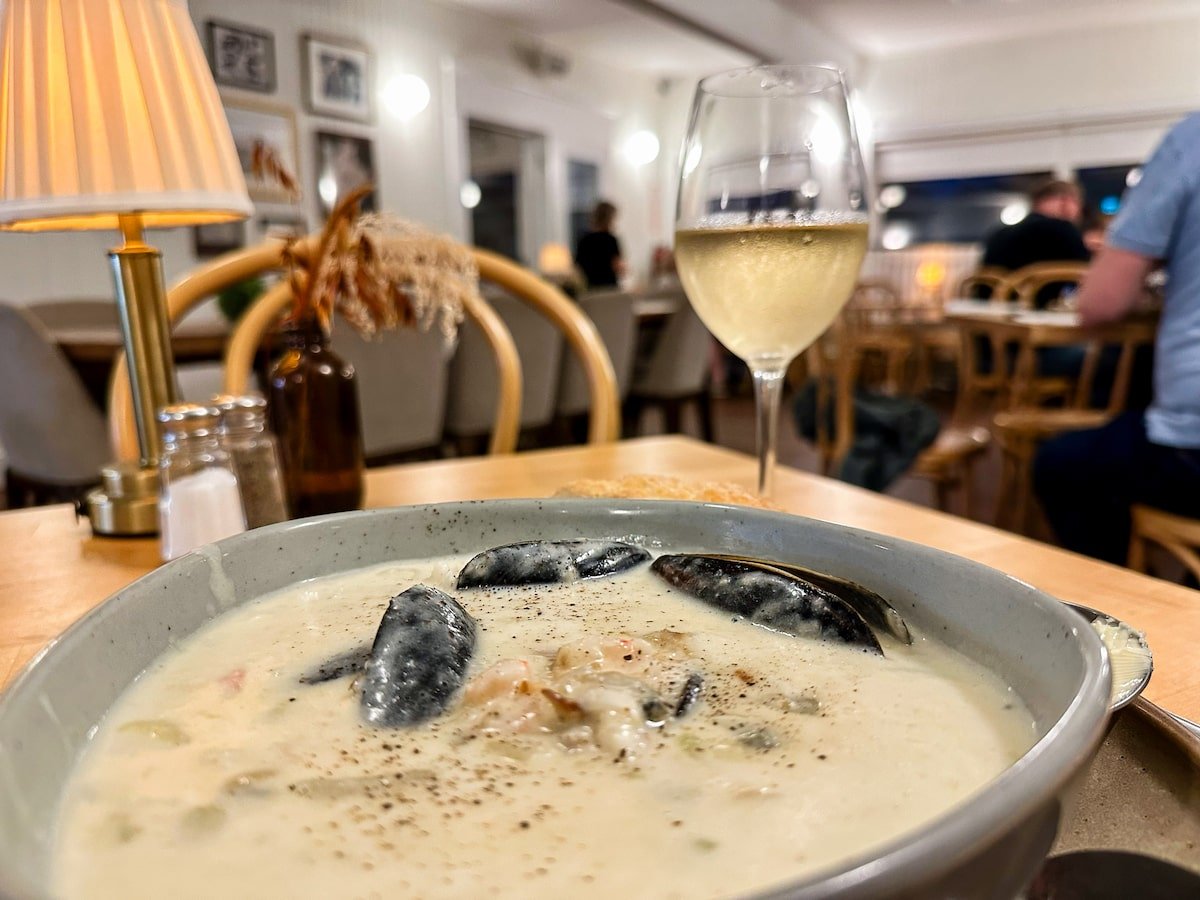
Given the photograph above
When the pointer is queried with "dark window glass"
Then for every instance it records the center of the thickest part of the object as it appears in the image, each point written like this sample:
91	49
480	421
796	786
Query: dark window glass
954	210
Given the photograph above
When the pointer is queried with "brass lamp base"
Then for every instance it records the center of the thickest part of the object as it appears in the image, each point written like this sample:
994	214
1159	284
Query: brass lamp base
126	503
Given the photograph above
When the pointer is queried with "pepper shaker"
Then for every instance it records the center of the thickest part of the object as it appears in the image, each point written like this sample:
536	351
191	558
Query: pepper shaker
255	455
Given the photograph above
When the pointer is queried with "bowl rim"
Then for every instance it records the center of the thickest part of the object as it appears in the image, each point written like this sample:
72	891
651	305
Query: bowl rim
887	868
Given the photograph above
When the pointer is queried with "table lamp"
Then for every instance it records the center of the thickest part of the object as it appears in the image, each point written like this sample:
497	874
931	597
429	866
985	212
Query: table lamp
555	259
110	120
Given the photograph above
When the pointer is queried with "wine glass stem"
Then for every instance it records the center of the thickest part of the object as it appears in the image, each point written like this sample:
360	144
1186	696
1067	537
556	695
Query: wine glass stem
768	387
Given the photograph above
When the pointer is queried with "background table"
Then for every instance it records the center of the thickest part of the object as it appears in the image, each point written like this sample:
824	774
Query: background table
92	352
1030	330
54	570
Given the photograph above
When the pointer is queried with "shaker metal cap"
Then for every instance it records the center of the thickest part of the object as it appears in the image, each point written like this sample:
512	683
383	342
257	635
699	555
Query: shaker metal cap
187	418
230	402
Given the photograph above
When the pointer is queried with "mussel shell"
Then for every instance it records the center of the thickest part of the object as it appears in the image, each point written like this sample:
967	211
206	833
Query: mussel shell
549	562
768	597
878	612
419	659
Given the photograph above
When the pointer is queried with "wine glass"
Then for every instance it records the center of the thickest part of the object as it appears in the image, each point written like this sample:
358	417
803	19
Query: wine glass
771	220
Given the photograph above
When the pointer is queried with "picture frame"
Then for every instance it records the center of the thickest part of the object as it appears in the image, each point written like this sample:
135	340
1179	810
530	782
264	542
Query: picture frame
275	125
338	77
343	162
241	57
217	238
282	225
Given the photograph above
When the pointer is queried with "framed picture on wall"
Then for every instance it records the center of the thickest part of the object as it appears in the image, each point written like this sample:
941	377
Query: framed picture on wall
272	124
282	225
218	238
241	57
337	77
344	161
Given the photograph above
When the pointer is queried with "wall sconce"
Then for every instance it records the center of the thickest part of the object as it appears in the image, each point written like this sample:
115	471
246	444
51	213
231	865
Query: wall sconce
405	96
641	147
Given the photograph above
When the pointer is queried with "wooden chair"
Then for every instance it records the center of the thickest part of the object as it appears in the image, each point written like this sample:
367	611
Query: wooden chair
1178	535
581	336
613	314
835	360
991	278
1025	283
470	406
1020	431
876	317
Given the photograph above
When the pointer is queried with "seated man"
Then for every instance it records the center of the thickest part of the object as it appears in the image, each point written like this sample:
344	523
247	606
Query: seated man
1087	481
1050	233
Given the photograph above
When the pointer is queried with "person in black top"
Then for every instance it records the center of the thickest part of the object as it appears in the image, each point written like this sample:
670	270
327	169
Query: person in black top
598	253
1049	233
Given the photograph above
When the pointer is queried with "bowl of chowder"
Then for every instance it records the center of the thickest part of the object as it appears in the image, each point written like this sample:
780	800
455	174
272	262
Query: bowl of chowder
549	698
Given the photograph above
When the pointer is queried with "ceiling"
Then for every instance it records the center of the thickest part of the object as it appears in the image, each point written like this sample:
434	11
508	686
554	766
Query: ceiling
891	27
628	35
614	33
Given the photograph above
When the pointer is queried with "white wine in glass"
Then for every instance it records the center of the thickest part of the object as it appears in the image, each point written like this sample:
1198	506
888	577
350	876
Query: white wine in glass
771	223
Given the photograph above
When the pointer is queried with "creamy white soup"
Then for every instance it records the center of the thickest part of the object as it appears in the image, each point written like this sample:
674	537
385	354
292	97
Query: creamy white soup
615	737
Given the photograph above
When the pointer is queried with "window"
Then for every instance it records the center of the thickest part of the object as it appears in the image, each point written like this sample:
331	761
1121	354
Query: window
1104	186
583	192
953	210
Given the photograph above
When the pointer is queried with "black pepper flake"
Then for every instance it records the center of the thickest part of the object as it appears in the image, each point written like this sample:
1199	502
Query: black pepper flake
523	824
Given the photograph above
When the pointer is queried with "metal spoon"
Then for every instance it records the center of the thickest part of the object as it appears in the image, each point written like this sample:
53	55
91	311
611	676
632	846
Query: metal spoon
1111	875
1128	689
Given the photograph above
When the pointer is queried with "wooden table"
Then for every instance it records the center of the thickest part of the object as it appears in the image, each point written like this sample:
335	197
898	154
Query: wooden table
93	350
54	570
1031	329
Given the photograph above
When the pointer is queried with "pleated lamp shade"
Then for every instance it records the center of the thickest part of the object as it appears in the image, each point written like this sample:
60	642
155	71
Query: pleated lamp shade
107	107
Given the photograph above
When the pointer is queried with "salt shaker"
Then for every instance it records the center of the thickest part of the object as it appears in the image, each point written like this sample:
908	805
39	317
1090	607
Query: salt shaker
255	456
198	500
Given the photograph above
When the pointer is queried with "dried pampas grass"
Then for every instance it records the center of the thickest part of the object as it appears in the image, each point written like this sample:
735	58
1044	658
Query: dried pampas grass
382	272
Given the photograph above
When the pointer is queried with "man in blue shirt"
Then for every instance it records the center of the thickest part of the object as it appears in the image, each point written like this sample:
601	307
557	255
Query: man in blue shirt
1087	481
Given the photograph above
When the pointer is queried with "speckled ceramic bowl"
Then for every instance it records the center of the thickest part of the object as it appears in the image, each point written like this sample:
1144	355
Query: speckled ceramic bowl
986	847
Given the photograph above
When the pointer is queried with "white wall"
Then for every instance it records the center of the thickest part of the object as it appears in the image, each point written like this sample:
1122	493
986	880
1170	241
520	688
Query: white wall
1091	97
420	163
1062	76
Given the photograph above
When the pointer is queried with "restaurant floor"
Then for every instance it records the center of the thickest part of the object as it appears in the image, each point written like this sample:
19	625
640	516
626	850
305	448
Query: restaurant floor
733	424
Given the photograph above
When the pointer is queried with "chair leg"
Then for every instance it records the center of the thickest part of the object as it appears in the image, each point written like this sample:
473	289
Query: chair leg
705	413
1003	488
672	411
1023	488
631	417
941	489
1137	551
968	475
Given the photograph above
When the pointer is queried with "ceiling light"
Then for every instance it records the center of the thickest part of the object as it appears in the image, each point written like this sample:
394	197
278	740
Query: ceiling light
1014	212
641	147
328	189
896	237
405	96
826	142
470	194
892	196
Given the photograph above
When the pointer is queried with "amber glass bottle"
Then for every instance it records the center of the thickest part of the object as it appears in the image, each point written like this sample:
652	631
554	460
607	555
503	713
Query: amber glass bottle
314	413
